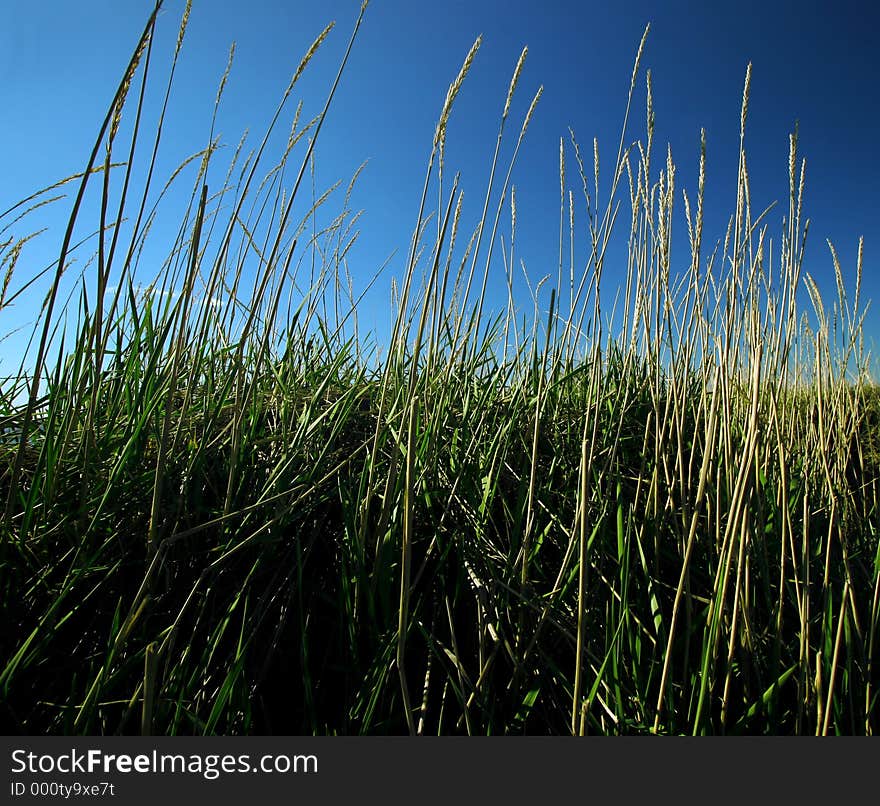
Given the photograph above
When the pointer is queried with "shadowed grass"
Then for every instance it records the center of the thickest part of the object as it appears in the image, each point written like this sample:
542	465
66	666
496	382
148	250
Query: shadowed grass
225	513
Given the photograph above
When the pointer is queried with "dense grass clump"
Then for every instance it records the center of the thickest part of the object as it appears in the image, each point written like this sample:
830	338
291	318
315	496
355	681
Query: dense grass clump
224	513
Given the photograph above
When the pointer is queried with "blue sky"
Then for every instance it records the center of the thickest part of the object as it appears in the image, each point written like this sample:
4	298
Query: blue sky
60	63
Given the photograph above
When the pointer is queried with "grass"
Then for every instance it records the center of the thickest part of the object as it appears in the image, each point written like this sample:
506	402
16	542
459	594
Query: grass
225	513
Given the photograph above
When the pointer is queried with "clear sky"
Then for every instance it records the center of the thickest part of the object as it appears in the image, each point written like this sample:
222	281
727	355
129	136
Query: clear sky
814	63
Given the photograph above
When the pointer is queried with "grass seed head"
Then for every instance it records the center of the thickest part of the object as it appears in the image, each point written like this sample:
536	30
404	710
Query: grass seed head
452	92
183	23
514	80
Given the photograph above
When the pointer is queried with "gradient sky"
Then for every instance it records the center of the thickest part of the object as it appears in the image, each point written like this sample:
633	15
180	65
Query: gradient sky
815	63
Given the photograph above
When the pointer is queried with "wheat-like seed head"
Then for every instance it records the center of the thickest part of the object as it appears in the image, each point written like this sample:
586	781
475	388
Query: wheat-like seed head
745	103
532	106
745	181
308	57
456	220
512	213
596	163
205	153
661	198
701	181
457	215
643	163
226	72
632	83
801	186
183	23
816	300
859	272
13	259
687	218
454	87
513	81
294	134
632	193
838	273
126	85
